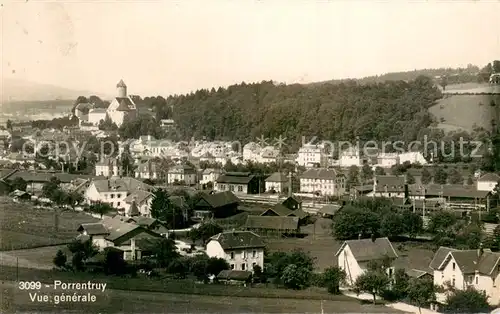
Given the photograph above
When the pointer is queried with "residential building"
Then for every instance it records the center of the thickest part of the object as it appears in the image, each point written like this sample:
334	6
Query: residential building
310	155
141	200
388	186
112	232
350	157
216	205
122	107
461	269
354	255
277	182
323	181
108	167
413	158
268	154
243	250
239	183
251	152
114	191
210	175
488	182
182	174
147	169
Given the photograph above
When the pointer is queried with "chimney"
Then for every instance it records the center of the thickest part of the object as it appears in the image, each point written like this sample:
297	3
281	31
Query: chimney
359	236
373	237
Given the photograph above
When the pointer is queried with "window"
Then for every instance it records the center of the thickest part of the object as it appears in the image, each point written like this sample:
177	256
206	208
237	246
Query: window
232	266
254	254
453	282
240	188
118	204
477	280
118	195
243	254
232	255
112	196
231	188
253	265
453	266
243	266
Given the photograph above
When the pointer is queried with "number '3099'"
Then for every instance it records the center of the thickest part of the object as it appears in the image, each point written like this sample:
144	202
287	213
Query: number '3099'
30	285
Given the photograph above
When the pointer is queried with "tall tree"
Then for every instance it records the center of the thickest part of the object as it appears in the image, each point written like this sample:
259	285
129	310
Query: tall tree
467	301
366	173
410	179
164	210
440	176
426	176
353	176
455	177
421	292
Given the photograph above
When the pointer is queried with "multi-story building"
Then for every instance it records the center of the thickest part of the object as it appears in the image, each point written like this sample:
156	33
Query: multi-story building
122	107
243	250
323	181
488	182
460	269
114	191
108	167
311	155
182	174
239	183
278	182
210	175
350	157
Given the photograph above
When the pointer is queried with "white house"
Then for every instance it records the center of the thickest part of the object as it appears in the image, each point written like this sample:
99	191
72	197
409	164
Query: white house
354	255
243	250
112	232
467	268
182	173
413	158
322	180
488	182
278	182
210	175
251	152
107	168
114	191
268	154
310	155
142	201
122	107
350	157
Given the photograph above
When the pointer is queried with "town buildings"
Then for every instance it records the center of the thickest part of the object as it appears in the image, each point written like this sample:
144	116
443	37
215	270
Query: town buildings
239	183
278	182
310	155
122	107
182	174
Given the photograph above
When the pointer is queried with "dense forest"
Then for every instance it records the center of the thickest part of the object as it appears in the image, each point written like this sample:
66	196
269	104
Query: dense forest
345	111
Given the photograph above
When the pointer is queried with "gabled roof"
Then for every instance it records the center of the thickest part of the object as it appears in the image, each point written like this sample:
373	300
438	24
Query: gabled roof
241	275
367	250
124	104
277	177
279	210
299	213
139	196
453	190
489	177
416	273
221	199
134	210
117	228
319	173
292	198
235	178
389	183
95	228
469	261
125	184
330	209
142	221
272	223
238	240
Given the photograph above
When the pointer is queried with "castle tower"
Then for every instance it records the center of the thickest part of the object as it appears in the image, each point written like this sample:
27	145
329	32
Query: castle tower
121	89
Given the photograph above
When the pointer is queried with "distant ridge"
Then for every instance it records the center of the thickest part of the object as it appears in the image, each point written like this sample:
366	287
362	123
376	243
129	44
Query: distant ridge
14	90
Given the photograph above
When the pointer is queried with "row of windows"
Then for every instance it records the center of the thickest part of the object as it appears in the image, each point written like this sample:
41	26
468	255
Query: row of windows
112	195
231	187
243	266
244	254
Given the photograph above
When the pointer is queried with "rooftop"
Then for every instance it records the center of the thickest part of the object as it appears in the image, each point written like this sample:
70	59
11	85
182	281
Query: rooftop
238	240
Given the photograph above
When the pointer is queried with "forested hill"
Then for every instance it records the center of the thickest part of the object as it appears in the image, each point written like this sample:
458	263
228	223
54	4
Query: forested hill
378	111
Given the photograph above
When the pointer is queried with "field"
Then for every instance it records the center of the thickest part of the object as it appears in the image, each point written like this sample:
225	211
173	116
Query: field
322	246
454	112
24	226
118	301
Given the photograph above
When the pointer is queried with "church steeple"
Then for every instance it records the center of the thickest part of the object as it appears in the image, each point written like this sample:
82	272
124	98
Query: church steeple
121	89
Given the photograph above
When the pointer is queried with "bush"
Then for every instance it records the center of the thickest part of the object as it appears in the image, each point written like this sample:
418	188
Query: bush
60	259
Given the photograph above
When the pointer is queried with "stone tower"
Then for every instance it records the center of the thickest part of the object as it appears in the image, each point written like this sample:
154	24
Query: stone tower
121	89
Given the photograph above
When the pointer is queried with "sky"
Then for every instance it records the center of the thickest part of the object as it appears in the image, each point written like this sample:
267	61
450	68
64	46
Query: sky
162	48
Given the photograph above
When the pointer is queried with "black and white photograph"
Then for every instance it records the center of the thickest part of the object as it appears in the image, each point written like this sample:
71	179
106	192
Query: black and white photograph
250	156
